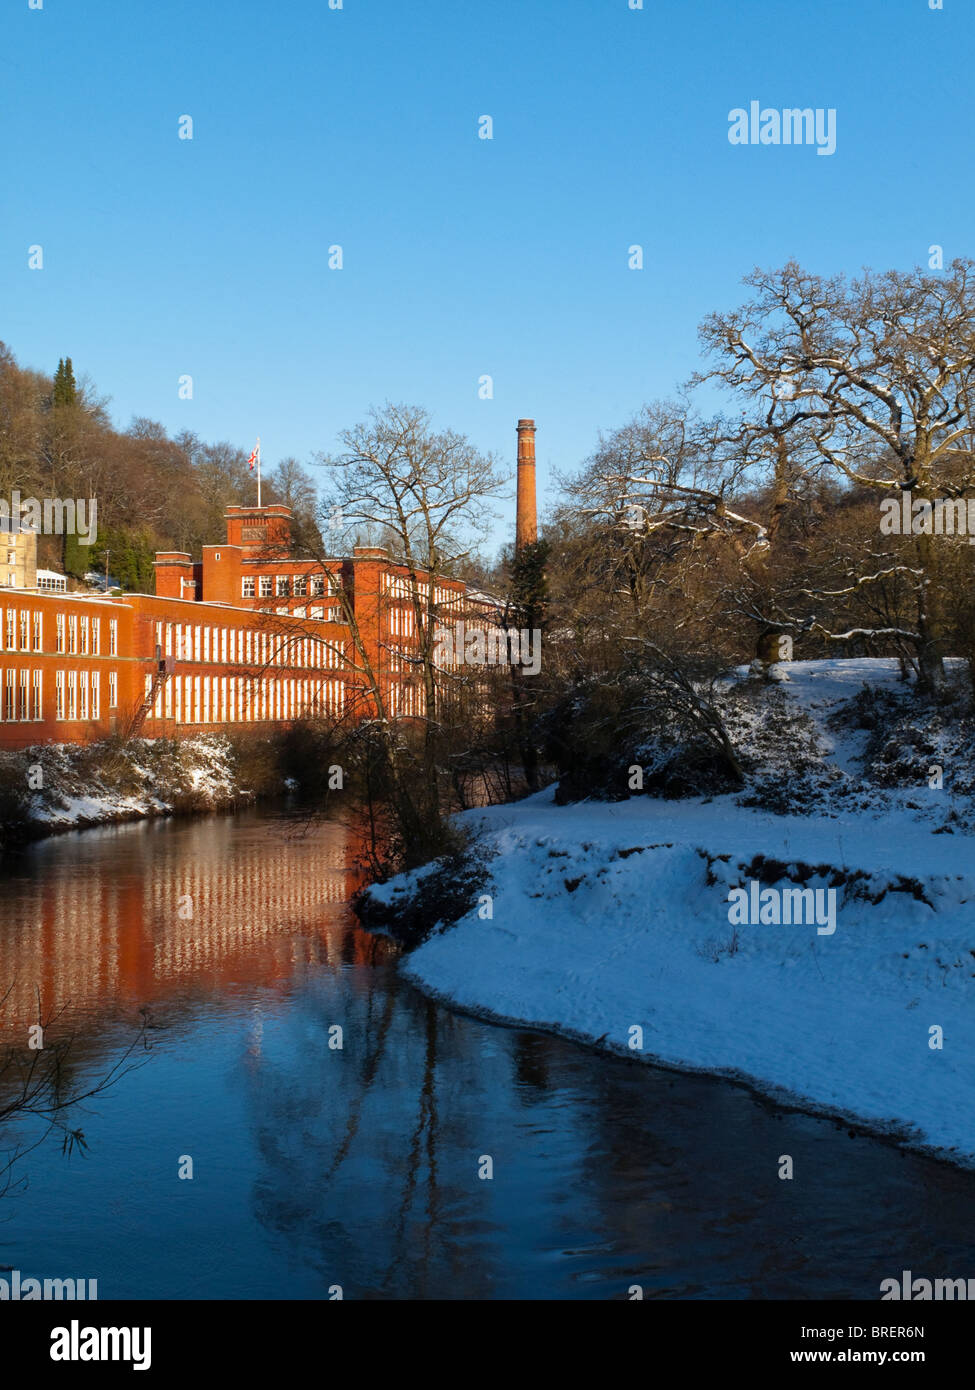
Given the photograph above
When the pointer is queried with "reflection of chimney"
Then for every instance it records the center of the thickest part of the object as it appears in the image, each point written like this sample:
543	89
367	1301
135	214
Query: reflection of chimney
526	524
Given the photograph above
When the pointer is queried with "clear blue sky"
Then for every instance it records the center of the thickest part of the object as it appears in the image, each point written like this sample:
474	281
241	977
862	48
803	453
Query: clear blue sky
462	256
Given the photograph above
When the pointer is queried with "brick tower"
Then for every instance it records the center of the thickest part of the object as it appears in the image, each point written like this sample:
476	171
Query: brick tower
526	523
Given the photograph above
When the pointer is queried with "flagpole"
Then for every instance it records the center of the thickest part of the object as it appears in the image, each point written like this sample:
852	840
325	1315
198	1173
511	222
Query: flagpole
258	471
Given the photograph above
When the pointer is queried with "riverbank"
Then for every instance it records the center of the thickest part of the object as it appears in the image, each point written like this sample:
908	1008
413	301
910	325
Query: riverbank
56	787
623	924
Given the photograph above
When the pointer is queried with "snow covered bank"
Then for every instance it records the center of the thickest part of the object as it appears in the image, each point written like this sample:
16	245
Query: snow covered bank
68	786
610	922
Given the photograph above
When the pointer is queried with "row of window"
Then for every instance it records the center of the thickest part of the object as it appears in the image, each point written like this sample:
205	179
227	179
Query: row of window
243	699
190	699
315	610
289	585
77	694
402	622
22	695
27	625
400	659
406	698
396	585
52	583
399	586
331	615
77	634
245	646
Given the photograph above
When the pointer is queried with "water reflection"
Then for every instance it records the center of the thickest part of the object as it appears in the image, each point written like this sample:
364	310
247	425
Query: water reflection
142	914
353	1158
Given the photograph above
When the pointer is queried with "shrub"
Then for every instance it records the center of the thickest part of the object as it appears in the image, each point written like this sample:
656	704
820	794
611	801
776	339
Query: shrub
14	800
652	714
431	899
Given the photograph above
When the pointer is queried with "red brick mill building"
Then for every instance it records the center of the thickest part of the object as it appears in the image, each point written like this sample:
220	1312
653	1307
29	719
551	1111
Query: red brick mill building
248	634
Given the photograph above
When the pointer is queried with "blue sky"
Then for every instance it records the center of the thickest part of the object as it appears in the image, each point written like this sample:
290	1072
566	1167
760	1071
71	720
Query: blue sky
462	257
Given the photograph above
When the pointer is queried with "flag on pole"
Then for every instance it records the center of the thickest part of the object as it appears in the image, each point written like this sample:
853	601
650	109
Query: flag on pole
255	462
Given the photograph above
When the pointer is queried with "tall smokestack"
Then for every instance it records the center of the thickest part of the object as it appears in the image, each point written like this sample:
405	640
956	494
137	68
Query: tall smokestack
526	523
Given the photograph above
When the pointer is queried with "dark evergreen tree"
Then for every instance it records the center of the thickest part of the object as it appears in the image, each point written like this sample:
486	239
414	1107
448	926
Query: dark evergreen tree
130	558
65	387
528	602
529	590
76	558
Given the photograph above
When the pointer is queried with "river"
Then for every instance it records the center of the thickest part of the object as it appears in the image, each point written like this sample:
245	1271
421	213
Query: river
319	1167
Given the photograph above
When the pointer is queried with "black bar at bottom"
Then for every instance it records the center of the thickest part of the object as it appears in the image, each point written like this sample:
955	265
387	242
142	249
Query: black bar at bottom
253	1339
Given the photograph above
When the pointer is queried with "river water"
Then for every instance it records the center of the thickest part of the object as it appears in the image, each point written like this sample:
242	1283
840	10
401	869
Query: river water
318	1167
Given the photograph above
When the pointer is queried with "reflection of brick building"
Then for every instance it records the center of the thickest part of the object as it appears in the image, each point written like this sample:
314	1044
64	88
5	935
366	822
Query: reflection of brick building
132	920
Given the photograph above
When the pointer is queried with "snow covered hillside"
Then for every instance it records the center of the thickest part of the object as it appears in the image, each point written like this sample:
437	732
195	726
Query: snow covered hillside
619	922
72	786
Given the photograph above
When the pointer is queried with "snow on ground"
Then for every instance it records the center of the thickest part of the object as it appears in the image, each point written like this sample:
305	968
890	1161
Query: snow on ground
85	785
614	916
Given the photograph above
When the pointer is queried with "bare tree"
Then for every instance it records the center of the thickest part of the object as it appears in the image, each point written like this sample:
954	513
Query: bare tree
858	372
427	496
294	486
668	509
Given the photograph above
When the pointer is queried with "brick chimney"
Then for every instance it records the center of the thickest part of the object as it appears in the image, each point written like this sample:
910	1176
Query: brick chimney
526	523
